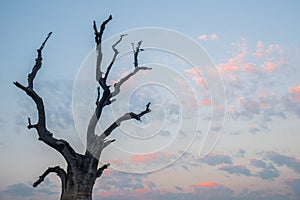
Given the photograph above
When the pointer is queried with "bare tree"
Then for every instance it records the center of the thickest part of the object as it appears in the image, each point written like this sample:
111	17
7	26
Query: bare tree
78	179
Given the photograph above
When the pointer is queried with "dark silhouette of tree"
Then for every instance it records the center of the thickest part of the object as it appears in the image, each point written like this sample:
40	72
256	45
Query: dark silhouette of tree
82	169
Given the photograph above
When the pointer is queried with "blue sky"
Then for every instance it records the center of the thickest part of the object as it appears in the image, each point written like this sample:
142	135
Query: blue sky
255	46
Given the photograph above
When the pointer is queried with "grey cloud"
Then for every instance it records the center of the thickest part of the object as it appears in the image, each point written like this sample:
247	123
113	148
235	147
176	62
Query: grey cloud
236	169
295	185
122	181
216	159
178	188
258	163
254	130
20	189
281	160
240	153
57	98
268	173
203	193
25	190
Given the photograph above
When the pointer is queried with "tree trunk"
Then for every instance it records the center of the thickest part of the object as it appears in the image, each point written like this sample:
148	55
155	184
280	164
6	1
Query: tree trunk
79	182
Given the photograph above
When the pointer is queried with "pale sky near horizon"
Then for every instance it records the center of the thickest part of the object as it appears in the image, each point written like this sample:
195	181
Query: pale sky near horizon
255	46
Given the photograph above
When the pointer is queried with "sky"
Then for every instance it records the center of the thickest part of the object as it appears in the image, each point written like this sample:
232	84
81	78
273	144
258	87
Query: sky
225	127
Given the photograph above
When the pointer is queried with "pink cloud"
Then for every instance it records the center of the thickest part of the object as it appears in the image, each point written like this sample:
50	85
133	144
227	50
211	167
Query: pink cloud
274	48
295	93
214	36
236	62
250	67
192	71
203	37
250	105
206	102
270	50
229	67
259	53
199	81
206	37
144	158
269	66
196	76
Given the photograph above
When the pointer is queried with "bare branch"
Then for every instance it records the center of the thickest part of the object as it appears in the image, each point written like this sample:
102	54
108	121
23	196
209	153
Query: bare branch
108	142
98	34
117	86
98	40
101	169
44	135
98	95
125	117
116	52
136	53
38	63
30	125
59	171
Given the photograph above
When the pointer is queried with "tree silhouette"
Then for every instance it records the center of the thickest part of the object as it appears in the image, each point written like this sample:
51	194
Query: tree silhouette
78	179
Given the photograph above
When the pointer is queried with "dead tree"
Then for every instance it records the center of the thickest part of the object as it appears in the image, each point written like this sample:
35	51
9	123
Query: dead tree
78	179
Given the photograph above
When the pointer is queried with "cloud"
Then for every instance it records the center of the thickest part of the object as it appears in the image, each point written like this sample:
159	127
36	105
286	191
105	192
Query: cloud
294	92
203	37
254	130
230	66
207	184
150	157
217	159
20	189
206	37
283	160
26	191
267	53
240	153
121	182
295	185
196	75
178	188
269	66
258	163
205	102
268	173
259	53
57	97
236	169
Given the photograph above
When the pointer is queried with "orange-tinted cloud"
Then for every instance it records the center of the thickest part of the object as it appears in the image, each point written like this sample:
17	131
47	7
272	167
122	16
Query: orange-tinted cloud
206	102
250	67
207	185
269	66
141	191
144	158
295	93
